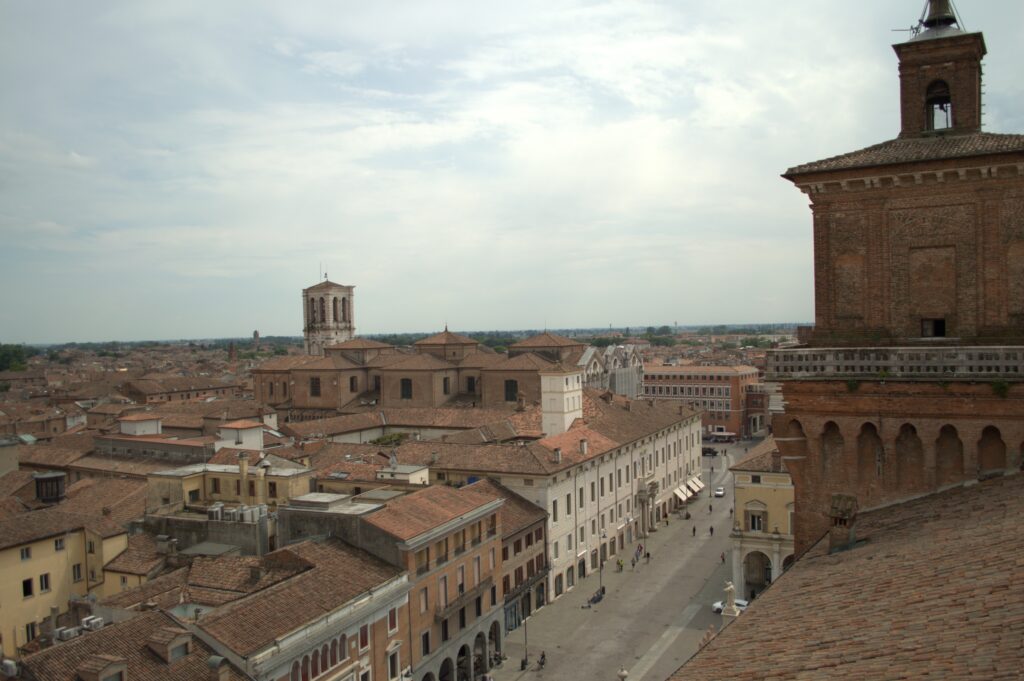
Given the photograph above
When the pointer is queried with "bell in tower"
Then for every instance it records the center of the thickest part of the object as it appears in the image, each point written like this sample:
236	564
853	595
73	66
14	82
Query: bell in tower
940	76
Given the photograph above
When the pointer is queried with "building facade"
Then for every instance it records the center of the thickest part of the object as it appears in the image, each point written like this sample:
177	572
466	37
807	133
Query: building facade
721	392
910	380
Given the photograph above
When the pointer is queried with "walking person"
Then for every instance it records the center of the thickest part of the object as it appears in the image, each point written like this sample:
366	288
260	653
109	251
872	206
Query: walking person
723	558
709	508
712	530
694	530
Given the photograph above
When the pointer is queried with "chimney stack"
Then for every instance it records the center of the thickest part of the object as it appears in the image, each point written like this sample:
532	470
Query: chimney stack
243	476
841	535
776	461
218	668
584	446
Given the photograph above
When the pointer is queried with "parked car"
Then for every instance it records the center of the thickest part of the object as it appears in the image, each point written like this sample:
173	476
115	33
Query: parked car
719	491
709	451
718	606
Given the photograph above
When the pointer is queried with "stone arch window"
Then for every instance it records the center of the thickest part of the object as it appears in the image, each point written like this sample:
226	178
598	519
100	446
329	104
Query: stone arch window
938	106
316	664
344	310
323	659
305	668
334	309
323	310
334	652
296	672
342	648
870	454
312	311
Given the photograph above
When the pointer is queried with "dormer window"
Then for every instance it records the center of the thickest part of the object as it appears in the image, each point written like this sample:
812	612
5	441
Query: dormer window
103	668
170	643
938	106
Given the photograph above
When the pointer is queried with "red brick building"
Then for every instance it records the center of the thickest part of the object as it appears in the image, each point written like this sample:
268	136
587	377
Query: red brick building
720	391
910	380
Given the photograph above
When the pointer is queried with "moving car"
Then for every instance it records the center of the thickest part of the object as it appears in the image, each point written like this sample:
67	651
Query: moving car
718	606
709	451
719	491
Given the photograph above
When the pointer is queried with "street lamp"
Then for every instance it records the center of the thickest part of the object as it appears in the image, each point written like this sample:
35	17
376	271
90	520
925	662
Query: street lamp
600	562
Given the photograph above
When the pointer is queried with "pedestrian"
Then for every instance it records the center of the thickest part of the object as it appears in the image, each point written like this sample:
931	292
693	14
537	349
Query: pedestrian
730	511
666	520
709	508
712	531
712	469
723	557
694	530
647	556
632	564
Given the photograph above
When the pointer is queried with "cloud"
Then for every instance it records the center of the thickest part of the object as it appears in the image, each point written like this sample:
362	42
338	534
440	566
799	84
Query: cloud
495	166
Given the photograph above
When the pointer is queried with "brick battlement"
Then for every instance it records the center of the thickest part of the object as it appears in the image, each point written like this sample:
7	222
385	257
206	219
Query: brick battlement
932	363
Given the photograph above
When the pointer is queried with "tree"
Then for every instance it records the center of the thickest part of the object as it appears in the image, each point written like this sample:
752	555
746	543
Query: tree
664	331
12	357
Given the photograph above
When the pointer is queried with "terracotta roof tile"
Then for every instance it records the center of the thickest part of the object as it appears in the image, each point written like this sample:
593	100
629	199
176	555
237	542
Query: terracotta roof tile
339	573
935	590
413	514
128	641
446	337
49	522
761	459
516	513
915	149
140	558
546	340
359	344
421	362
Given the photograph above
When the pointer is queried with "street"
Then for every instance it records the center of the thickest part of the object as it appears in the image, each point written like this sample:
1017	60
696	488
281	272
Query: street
652	617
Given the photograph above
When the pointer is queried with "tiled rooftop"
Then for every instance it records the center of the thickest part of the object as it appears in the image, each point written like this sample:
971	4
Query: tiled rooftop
935	591
914	149
413	514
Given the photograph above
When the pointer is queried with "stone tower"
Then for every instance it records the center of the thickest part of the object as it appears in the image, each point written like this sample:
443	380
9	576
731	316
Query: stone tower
328	315
911	380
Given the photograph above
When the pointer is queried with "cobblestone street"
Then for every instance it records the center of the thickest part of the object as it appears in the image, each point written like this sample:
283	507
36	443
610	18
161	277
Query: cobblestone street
652	617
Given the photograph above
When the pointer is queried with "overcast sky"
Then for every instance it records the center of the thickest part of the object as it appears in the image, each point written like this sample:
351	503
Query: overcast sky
181	169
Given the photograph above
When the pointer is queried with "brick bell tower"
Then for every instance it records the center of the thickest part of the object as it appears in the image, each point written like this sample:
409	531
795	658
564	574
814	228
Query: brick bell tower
911	379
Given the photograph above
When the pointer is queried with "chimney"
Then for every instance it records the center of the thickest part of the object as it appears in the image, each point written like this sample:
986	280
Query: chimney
243	476
776	461
54	610
584	446
255	573
261	482
843	514
520	402
162	541
558	455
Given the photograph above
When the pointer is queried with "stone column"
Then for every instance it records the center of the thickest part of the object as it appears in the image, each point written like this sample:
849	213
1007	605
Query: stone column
737	566
776	556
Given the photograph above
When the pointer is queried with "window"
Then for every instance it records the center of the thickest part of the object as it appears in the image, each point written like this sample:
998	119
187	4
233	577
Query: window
30	631
76	572
44	582
406	385
314	386
365	675
756	479
446	385
124	581
554	549
26	588
252	489
178	652
442	591
393	665
476	570
444	630
494	596
424	599
462	618
511	390
593	491
602	487
460	579
580	497
364	637
392	620
517	547
470	384
755	522
504	553
353	384
938	106
425	643
933	328
479	606
26	552
554	513
272	489
215	485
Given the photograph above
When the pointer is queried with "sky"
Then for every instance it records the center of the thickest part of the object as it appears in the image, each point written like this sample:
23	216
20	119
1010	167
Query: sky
184	169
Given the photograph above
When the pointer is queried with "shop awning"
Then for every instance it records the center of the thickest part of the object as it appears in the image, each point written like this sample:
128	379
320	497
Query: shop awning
695	485
681	493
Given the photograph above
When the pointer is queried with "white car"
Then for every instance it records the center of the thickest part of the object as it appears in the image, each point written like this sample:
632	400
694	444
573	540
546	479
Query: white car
719	491
718	606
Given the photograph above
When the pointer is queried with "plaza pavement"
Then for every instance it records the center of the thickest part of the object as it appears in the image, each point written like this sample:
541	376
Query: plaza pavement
652	617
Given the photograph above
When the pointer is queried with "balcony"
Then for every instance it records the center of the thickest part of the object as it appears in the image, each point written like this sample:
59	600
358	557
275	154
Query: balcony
898	363
443	612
